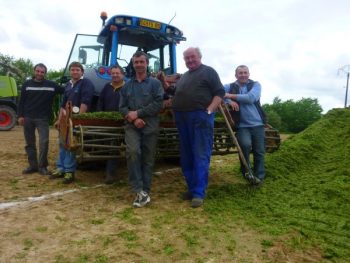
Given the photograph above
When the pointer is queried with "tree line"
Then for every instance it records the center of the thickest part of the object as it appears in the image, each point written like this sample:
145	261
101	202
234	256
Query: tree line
287	116
22	69
292	116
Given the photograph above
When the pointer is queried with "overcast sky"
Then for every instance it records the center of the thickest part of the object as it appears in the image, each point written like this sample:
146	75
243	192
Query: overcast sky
294	48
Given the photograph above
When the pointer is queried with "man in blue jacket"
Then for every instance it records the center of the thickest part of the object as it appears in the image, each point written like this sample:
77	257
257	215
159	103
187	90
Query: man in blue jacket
244	98
79	91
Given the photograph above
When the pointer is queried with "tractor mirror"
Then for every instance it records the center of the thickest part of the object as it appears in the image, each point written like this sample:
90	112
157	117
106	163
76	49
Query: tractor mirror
82	56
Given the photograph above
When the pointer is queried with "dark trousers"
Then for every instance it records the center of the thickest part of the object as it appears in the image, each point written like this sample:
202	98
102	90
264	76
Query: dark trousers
111	166
140	154
42	126
196	131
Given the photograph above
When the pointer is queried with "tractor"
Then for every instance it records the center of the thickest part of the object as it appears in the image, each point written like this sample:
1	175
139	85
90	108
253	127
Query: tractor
94	136
8	103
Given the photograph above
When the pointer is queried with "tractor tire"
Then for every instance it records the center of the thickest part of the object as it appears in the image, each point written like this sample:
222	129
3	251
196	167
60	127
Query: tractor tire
7	118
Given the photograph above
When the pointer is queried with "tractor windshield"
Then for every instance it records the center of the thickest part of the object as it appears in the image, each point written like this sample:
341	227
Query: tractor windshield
121	36
92	54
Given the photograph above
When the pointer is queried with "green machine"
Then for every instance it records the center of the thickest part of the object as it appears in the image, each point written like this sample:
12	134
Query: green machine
8	103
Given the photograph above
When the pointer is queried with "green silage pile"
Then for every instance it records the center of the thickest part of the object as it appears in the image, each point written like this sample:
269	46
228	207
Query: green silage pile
306	192
324	146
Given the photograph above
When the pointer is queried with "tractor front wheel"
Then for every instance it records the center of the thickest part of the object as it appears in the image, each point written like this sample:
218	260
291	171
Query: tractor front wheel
7	118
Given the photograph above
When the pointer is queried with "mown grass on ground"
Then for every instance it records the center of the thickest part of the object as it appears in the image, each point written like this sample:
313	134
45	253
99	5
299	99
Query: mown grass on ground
305	200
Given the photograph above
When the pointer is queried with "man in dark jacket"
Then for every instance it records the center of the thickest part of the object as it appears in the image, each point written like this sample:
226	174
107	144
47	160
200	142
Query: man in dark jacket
109	101
34	112
79	92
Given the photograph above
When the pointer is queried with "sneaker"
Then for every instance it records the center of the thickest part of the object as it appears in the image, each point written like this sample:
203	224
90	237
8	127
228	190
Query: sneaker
56	174
29	170
43	171
186	196
196	202
68	177
141	199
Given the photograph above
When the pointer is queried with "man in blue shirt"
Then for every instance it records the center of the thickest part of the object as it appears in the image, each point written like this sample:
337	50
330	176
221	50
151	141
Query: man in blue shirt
79	91
244	98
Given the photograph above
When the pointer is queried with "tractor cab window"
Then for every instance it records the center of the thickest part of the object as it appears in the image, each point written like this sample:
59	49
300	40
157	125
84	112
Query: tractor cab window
92	54
85	50
158	59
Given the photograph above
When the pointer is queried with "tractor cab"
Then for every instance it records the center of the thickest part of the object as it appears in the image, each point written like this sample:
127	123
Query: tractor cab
120	37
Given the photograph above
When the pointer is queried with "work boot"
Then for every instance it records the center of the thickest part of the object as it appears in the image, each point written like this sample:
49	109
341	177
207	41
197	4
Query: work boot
110	179
56	174
43	171
196	202
186	196
29	170
258	183
68	177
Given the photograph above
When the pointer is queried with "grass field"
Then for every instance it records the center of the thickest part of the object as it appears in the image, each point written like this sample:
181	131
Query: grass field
305	201
300	214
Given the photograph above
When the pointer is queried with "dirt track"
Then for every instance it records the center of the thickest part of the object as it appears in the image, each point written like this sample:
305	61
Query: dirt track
88	221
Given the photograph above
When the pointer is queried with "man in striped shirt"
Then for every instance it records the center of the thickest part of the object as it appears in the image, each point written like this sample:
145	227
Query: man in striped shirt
34	112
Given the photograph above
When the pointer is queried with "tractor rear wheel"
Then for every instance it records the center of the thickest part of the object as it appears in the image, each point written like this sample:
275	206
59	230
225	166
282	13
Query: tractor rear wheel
7	118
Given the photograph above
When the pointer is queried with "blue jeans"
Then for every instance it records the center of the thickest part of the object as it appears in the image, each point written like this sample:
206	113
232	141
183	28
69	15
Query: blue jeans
66	161
29	127
140	154
253	139
196	131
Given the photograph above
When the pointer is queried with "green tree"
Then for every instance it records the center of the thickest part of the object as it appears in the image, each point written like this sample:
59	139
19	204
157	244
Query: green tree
55	75
25	66
273	118
294	116
19	69
307	111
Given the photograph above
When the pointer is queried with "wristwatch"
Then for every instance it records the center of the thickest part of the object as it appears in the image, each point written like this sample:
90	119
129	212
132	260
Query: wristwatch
75	109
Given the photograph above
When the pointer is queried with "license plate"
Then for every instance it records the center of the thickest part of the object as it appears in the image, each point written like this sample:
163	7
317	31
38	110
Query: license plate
150	24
